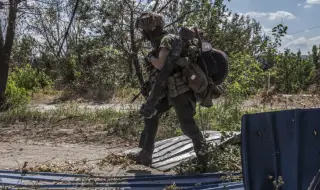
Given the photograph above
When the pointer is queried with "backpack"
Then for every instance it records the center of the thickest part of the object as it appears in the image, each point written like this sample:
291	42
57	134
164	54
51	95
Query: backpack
206	73
214	63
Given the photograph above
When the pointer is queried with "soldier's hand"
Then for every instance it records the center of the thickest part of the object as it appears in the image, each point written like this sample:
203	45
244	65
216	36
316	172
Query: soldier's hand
147	111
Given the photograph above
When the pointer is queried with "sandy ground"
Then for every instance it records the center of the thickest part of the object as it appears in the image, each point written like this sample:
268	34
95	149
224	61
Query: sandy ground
72	158
66	149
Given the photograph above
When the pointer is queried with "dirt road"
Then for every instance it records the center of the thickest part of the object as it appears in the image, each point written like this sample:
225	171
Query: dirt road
66	148
74	158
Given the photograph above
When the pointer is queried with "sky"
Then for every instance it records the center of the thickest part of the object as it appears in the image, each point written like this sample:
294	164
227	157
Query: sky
298	15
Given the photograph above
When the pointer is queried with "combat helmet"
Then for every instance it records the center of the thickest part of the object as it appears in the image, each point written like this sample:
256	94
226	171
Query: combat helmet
149	21
151	24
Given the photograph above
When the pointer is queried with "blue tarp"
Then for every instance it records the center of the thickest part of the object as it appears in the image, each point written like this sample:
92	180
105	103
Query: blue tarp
70	181
283	144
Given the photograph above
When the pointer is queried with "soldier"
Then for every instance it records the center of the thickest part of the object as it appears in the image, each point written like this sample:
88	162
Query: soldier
178	94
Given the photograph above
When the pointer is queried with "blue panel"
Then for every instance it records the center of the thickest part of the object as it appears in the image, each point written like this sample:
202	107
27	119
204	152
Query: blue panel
68	181
222	186
284	143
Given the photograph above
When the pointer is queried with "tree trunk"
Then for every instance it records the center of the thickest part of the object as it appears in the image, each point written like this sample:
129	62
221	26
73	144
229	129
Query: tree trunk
4	65
5	49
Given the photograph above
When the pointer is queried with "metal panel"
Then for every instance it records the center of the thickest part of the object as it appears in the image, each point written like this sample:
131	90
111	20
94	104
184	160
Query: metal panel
70	181
220	186
280	144
171	152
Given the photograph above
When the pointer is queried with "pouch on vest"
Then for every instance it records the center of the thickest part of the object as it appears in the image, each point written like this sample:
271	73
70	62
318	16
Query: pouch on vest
195	78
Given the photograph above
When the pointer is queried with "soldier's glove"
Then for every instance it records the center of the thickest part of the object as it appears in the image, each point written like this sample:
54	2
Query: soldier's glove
147	111
145	89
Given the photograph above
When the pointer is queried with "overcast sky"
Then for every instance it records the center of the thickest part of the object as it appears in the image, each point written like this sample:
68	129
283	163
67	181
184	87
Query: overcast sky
298	15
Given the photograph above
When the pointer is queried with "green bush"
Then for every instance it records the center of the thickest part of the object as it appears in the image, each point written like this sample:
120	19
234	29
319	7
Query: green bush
291	73
245	76
224	115
16	96
23	81
30	79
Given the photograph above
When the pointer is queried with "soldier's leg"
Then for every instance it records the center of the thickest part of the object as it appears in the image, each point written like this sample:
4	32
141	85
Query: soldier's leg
185	107
149	133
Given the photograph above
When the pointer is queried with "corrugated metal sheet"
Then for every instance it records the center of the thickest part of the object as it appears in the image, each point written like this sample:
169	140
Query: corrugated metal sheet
171	152
281	144
152	182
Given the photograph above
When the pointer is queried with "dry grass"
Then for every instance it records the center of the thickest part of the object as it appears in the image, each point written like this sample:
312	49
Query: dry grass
116	160
73	167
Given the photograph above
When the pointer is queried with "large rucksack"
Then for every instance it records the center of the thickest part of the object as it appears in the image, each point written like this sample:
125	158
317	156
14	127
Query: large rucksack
214	63
207	72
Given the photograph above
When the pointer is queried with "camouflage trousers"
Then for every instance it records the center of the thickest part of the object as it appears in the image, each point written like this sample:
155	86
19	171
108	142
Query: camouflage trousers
184	105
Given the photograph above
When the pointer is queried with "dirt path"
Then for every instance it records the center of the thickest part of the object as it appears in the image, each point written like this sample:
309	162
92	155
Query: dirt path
73	158
13	155
72	148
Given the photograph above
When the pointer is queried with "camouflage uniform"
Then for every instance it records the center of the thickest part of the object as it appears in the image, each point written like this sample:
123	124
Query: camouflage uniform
181	98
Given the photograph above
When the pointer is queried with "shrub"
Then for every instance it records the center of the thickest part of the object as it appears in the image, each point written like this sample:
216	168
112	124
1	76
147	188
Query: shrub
245	76
30	79
21	82
16	96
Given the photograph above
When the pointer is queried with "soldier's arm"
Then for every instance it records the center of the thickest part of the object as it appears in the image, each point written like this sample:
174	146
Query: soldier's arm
158	62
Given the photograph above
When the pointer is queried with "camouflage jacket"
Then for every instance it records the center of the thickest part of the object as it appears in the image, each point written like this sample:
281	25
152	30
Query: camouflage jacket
176	82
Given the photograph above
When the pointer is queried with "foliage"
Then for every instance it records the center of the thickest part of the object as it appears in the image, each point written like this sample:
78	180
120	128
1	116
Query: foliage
103	46
220	159
16	96
245	76
22	81
291	73
22	52
30	79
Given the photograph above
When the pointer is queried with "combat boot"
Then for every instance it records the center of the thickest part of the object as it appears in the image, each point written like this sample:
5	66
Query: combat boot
145	158
201	149
202	157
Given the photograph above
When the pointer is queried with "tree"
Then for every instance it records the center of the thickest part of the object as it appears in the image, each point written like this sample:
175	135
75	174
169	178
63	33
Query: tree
6	43
315	56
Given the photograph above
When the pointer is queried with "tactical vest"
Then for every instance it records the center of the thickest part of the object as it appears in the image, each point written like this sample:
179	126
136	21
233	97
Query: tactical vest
176	82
